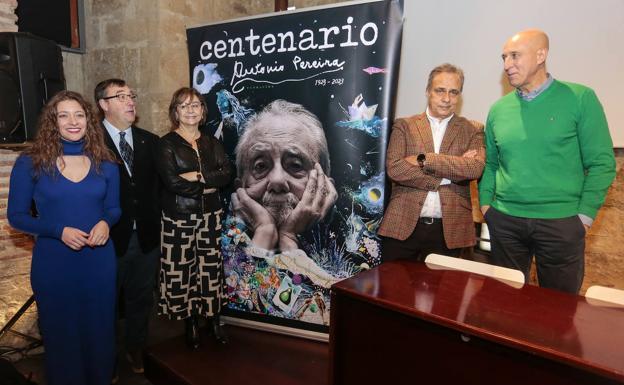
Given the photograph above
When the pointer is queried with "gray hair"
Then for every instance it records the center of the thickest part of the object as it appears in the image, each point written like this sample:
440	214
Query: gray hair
448	68
308	124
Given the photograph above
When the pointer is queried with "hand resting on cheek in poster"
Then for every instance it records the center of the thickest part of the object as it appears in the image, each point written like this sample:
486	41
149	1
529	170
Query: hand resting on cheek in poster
256	217
317	200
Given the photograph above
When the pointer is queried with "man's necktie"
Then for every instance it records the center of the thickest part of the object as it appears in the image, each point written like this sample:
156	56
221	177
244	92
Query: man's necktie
125	150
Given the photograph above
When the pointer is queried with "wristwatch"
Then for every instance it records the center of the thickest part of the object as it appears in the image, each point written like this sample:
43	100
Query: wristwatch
421	160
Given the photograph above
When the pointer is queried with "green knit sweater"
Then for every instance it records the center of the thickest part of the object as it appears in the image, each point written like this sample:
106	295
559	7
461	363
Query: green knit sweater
551	157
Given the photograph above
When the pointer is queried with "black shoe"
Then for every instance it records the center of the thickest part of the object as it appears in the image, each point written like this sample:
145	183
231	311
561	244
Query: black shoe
217	330
135	358
192	332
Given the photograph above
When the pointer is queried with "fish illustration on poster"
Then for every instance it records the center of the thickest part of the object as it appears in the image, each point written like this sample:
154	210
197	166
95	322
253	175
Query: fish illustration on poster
303	103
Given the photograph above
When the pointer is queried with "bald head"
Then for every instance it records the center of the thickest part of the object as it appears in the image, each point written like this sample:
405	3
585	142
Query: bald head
524	57
536	38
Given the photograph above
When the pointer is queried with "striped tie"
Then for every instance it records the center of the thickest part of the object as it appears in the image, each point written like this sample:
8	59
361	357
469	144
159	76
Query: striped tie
126	150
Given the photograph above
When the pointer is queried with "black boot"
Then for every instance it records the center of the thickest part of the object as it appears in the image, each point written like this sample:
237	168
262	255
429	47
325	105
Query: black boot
192	332
217	330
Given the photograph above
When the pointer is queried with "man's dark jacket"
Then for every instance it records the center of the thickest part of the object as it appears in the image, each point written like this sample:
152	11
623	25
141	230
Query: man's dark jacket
139	194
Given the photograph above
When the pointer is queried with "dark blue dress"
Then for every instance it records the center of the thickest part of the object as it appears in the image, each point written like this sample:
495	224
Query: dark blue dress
74	290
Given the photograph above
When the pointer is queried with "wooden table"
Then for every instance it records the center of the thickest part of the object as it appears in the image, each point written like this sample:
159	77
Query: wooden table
404	322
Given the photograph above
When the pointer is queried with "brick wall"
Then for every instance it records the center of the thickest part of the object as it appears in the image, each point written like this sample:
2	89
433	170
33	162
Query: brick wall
15	247
13	244
15	256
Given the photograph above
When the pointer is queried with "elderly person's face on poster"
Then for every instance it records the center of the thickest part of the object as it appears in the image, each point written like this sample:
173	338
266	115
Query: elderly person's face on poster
279	164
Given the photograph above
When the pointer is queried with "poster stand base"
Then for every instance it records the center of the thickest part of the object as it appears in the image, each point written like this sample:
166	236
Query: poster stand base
289	331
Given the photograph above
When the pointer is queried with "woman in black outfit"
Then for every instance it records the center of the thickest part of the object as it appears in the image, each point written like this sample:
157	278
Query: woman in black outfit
193	167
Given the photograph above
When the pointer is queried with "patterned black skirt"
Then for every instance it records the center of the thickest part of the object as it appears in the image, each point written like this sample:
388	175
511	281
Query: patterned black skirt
191	266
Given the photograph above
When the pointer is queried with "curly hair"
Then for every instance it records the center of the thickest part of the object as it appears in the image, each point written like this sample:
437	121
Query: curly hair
47	147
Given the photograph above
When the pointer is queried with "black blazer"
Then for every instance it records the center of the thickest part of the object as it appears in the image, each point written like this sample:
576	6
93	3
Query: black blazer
139	194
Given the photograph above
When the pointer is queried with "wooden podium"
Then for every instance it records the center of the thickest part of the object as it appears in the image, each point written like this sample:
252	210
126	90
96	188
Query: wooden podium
404	322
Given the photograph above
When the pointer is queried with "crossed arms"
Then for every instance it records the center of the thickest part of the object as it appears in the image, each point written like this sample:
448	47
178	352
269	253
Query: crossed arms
403	168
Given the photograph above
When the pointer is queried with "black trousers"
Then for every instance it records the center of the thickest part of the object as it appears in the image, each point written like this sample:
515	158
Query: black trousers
136	281
557	244
426	239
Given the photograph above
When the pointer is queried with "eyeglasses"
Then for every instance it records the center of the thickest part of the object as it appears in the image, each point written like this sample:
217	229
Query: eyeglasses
123	97
193	106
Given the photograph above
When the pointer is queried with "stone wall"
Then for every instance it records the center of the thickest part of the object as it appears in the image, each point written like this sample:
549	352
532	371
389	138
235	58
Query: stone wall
74	73
7	15
604	255
144	42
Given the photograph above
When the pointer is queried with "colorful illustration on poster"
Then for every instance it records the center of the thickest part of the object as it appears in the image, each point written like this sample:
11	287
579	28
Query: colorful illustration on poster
302	103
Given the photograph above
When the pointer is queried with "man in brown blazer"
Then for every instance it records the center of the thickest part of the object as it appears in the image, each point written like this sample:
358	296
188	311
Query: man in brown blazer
431	159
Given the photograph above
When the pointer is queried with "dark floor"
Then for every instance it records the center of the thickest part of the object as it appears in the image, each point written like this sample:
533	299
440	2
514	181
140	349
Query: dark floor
251	357
292	360
161	329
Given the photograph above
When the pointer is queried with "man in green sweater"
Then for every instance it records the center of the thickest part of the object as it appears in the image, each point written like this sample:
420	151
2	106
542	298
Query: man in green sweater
549	163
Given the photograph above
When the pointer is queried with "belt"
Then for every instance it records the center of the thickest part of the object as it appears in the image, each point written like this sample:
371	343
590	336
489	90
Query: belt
429	220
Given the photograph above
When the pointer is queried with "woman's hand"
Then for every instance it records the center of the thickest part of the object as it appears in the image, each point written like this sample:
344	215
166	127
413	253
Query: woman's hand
98	234
74	238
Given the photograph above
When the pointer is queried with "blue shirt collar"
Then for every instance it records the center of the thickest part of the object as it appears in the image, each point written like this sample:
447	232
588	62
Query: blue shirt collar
528	96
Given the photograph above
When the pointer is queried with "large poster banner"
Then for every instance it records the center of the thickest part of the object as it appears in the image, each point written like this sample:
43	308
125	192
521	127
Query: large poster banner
302	102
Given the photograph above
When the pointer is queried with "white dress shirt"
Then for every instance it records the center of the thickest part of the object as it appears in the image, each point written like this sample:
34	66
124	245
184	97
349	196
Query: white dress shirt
432	207
114	134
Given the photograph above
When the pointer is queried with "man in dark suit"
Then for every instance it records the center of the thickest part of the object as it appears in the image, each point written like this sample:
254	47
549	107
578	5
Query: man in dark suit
431	159
137	234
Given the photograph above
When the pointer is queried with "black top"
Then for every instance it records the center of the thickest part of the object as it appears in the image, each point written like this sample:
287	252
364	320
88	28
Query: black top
176	156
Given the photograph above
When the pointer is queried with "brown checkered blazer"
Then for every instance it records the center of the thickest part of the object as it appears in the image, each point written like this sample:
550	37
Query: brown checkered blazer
412	136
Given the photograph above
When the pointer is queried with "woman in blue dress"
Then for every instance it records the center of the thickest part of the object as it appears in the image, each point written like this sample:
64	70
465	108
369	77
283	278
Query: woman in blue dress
70	175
